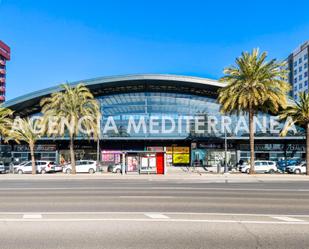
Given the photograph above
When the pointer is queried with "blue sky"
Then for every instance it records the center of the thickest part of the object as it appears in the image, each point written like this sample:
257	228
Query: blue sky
57	41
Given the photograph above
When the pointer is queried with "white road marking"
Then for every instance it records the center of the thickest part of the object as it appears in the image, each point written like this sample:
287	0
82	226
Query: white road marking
157	220
146	197
154	188
32	216
288	219
156	216
167	213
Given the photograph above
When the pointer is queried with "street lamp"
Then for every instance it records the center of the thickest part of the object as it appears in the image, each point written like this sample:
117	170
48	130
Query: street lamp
225	151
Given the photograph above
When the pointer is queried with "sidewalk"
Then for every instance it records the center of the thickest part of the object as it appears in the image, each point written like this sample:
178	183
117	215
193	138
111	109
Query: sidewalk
179	173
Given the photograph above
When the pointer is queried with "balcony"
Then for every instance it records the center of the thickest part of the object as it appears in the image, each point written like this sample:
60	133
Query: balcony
2	89
2	80
2	98
2	71
2	62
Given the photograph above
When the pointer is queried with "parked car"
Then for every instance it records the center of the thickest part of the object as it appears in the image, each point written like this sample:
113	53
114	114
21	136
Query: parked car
282	164
42	167
58	168
244	164
261	167
2	168
115	168
297	169
82	166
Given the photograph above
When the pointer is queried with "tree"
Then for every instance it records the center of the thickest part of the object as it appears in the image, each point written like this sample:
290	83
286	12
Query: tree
72	108
253	85
5	121
297	113
29	131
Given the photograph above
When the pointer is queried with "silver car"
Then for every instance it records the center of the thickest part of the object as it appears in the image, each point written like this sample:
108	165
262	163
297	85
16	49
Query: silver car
2	168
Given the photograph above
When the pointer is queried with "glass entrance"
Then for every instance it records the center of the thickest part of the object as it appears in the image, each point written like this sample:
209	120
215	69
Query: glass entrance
217	157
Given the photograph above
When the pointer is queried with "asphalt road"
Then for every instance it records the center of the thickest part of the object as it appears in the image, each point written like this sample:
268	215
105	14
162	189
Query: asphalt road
133	213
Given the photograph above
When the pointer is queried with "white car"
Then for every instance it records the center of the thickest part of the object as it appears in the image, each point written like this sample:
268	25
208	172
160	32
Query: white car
82	166
261	167
117	168
41	167
297	169
2	168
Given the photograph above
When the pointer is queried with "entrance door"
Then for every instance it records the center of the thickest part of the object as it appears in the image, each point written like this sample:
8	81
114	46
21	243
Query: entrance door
160	163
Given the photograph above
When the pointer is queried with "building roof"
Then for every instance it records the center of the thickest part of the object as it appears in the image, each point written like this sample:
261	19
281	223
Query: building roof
29	103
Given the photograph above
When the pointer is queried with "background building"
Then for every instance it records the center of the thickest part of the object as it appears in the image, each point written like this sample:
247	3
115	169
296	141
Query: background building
298	69
4	56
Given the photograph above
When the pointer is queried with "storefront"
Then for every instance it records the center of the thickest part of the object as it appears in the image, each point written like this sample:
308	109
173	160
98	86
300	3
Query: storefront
21	152
212	154
274	152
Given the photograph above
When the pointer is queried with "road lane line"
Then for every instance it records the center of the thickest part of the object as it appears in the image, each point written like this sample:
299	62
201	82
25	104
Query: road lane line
145	197
32	216
288	219
148	211
157	220
153	188
156	216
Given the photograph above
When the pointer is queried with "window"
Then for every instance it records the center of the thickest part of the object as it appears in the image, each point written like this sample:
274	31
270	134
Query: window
295	88
306	74
300	60
306	65
295	96
300	85
295	72
305	57
306	82
300	77
295	63
300	69
295	80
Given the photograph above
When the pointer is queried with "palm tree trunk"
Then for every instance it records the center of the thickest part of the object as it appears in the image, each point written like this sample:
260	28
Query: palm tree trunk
307	148
251	138
31	145
72	154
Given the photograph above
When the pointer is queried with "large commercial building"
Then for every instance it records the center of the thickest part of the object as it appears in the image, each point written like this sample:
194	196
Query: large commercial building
4	56
145	115
298	69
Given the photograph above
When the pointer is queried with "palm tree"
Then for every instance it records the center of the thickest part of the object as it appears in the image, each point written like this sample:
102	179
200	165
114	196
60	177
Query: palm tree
253	85
297	112
5	121
72	104
27	130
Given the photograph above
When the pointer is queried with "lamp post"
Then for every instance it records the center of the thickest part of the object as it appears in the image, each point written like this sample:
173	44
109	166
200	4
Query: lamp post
225	152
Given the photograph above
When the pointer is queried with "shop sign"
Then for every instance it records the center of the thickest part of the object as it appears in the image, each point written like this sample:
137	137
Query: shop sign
218	146
273	147
155	149
38	147
181	158
181	149
296	147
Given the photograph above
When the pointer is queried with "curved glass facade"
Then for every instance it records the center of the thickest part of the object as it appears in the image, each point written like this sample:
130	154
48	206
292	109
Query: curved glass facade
150	115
